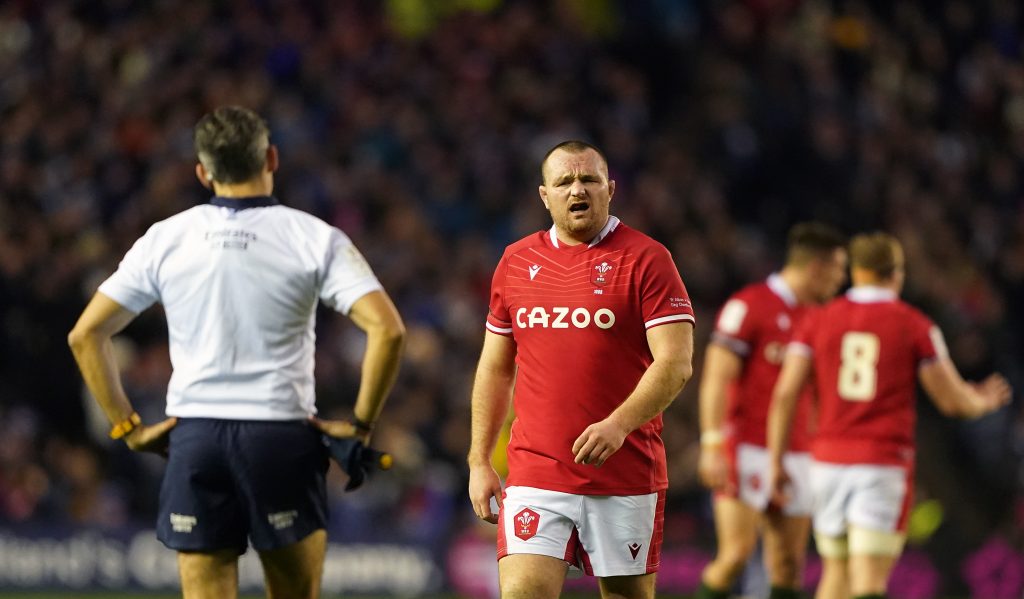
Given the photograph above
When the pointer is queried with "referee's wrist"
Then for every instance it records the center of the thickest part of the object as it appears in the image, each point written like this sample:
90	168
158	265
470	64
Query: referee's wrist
361	425
123	428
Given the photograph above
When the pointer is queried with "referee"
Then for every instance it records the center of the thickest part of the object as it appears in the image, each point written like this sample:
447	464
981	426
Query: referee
239	279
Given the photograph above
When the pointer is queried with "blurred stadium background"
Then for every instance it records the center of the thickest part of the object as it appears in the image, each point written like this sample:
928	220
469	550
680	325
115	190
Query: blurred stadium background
417	127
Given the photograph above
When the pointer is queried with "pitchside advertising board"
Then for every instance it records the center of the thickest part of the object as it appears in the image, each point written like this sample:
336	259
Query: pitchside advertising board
66	559
135	560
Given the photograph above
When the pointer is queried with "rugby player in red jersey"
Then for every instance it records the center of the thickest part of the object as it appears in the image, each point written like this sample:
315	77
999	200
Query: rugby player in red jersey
865	353
590	334
740	368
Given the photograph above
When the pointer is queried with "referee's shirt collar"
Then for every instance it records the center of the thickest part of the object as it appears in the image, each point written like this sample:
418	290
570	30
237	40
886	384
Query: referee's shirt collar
243	203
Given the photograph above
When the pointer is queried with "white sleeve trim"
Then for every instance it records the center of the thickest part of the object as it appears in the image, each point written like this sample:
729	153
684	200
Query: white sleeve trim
498	330
358	292
121	297
800	349
664	319
938	342
737	346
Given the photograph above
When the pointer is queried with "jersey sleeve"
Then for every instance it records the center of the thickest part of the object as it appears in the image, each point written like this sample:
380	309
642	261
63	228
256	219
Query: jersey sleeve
802	341
346	274
134	285
927	340
663	297
499	320
735	328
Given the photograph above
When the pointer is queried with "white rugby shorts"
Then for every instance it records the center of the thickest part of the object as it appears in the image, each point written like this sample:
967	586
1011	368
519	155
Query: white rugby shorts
601	535
867	496
750	465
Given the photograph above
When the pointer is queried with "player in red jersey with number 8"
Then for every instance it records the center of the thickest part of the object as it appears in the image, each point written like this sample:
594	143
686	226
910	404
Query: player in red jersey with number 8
865	352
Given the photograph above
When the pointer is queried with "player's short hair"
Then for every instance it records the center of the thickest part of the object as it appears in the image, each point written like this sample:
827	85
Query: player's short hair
231	142
812	240
878	252
573	146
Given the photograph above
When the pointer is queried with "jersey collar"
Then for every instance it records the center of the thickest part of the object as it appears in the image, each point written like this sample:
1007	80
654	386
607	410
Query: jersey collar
782	289
609	226
868	294
243	203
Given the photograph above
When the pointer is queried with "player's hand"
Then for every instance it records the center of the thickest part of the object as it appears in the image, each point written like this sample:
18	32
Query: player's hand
995	392
713	468
483	485
151	438
598	442
339	429
778	485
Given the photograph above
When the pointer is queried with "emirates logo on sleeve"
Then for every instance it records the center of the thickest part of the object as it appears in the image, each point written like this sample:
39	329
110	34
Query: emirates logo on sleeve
526	522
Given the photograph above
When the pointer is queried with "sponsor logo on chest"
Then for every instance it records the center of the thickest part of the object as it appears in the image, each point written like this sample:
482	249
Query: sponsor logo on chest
563	317
774	352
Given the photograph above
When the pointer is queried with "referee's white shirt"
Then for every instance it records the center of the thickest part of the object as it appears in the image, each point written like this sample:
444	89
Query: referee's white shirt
239	280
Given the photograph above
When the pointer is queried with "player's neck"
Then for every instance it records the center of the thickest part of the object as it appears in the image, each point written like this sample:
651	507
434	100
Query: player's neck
569	238
799	282
877	282
258	186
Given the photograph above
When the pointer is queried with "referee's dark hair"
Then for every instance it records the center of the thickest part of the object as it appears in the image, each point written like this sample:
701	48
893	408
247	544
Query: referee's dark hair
811	240
231	142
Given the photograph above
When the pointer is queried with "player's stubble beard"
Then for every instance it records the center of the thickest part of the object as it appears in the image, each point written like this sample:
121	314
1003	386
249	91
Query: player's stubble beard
585	228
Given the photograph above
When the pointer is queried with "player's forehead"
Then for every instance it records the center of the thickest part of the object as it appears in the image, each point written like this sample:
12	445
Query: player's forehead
563	162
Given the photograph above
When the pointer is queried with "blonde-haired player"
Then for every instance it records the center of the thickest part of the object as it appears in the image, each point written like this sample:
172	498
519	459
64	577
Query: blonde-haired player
866	351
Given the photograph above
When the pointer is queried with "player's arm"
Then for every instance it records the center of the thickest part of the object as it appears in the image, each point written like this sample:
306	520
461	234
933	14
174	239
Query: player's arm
377	316
722	367
955	397
492	394
91	343
672	348
796	369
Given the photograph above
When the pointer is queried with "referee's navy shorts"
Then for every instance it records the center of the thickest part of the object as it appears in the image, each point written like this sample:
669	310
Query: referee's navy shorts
231	480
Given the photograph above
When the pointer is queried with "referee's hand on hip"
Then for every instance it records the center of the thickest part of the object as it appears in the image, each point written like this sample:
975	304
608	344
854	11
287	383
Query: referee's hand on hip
339	429
152	438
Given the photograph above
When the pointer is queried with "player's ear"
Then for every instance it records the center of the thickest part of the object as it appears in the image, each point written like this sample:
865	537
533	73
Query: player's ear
273	160
543	191
611	188
205	178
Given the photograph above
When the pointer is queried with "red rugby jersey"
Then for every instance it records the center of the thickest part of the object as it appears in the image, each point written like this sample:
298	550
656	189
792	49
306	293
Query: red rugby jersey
867	348
756	324
579	316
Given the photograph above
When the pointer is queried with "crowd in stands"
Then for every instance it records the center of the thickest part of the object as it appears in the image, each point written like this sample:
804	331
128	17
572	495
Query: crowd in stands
418	128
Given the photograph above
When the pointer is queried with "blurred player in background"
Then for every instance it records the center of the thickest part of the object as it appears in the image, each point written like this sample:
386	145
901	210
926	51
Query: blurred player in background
740	368
239	280
592	328
865	352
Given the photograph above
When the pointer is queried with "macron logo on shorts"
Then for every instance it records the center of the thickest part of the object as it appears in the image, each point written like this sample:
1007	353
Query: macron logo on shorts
634	548
526	522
